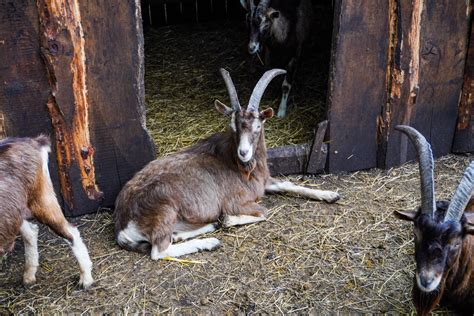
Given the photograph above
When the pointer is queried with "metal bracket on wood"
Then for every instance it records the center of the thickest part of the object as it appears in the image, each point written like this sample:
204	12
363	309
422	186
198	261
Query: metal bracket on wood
319	150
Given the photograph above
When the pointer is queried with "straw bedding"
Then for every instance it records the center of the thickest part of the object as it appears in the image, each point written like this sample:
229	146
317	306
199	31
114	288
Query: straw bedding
352	256
182	81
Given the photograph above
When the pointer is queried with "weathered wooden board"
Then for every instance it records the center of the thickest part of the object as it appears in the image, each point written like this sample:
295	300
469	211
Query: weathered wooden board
116	91
287	160
24	88
74	69
427	75
319	150
464	136
357	82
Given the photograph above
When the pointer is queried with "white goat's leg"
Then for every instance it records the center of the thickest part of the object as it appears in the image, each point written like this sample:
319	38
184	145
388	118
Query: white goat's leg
285	87
29	232
248	214
82	255
184	248
276	186
180	235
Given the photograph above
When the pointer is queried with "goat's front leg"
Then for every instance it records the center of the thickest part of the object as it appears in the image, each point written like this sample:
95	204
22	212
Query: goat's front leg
286	87
277	186
247	214
29	232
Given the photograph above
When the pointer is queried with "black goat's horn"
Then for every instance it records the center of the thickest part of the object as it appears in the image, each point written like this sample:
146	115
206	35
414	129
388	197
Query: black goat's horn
234	99
462	195
426	165
259	89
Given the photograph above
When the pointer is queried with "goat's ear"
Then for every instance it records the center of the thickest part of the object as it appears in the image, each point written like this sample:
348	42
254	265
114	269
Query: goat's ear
222	108
244	4
266	114
469	223
273	14
405	215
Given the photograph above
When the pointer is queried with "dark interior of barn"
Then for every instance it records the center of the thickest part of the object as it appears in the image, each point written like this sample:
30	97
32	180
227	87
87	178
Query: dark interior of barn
186	42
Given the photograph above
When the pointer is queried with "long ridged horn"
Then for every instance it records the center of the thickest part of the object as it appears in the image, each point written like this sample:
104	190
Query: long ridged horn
259	89
462	195
426	165
234	99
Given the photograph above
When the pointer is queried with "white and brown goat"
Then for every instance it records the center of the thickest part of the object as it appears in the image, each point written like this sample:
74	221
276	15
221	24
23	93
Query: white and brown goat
444	238
26	192
279	28
219	179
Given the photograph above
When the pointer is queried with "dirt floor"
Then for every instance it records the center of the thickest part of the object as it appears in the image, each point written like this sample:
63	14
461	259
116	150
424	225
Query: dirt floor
182	80
352	256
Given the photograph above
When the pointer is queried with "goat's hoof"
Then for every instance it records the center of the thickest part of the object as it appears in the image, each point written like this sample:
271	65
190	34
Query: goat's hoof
209	244
281	114
85	282
333	197
29	281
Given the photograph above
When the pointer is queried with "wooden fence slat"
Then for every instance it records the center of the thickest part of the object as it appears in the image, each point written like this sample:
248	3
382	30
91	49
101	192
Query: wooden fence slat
357	82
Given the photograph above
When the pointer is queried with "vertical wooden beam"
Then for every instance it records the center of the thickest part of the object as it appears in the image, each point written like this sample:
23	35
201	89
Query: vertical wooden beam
357	83
464	137
427	75
63	50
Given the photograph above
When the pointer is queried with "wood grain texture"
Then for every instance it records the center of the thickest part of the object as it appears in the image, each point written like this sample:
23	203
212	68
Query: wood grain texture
464	136
357	83
431	50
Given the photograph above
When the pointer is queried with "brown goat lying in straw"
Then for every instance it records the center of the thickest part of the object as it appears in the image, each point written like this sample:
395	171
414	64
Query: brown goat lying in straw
220	178
444	241
26	191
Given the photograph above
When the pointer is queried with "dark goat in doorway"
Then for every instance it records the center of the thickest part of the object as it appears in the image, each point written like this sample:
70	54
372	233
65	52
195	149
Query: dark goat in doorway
279	28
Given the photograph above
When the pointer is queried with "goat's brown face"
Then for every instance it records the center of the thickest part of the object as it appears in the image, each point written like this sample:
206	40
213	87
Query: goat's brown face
437	244
248	128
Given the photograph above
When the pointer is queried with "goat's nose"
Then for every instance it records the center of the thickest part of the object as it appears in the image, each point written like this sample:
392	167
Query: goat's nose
243	153
253	48
426	281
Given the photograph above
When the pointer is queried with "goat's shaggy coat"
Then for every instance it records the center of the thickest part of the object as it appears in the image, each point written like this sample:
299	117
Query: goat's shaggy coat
219	179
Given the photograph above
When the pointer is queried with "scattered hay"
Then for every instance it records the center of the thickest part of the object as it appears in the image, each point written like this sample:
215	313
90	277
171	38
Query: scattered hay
353	256
182	81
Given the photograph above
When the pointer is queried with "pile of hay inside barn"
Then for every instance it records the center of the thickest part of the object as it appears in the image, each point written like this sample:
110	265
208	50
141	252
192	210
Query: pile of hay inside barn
182	81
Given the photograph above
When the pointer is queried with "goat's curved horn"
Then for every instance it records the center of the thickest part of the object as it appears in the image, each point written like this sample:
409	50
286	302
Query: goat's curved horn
259	89
426	165
234	99
462	195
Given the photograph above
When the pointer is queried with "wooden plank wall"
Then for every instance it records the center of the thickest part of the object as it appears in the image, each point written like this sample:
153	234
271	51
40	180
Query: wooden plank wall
357	82
464	137
90	95
429	77
413	78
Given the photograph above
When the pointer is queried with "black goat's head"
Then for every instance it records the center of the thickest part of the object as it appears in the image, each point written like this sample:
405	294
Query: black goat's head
247	124
263	22
439	227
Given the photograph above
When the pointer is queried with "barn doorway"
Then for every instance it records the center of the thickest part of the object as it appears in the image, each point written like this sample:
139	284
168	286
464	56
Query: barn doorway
186	42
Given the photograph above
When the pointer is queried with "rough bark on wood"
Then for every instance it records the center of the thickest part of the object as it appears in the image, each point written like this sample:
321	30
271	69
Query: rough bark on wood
464	137
426	75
